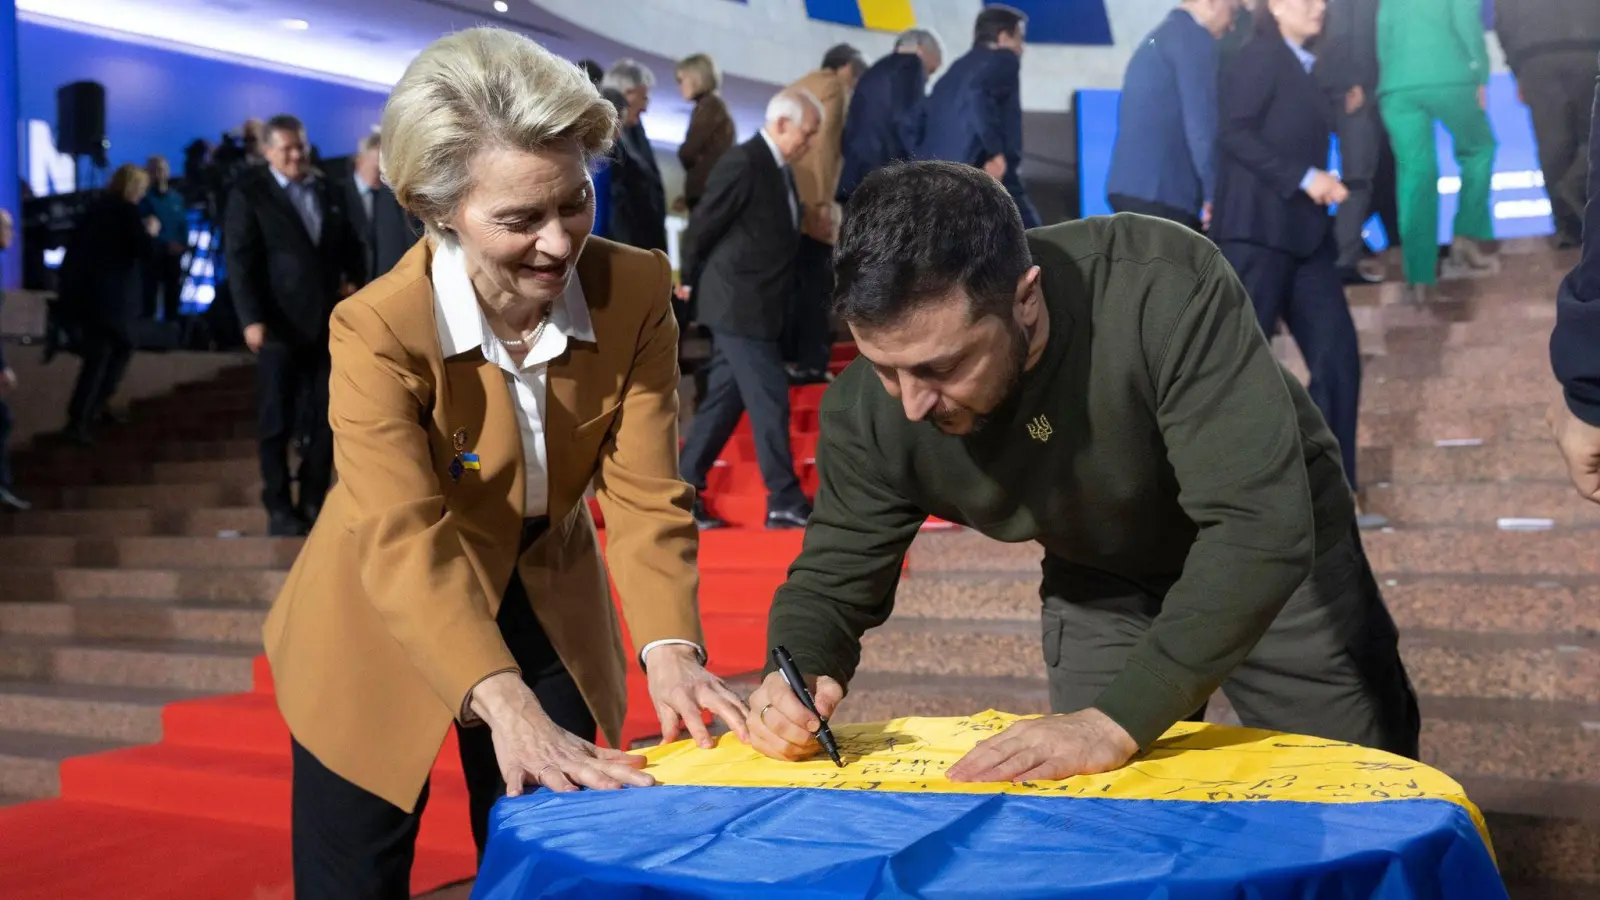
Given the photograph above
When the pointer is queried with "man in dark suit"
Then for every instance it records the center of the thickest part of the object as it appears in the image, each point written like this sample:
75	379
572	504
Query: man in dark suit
385	230
741	248
1347	69
1163	163
1575	343
1551	46
974	115
886	108
291	256
1271	214
638	195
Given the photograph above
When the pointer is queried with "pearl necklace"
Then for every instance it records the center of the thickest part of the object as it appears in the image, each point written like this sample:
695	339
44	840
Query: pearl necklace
529	338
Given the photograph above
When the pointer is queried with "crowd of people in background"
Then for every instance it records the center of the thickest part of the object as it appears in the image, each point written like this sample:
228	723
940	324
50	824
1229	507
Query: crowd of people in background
1239	148
1226	119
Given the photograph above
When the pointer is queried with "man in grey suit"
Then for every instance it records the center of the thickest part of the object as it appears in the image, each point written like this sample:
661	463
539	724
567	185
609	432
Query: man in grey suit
386	231
1347	69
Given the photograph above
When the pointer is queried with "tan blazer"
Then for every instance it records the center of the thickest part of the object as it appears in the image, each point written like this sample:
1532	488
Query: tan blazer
387	620
816	175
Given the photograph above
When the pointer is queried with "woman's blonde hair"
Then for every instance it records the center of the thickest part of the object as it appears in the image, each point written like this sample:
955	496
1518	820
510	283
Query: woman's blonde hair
129	182
703	69
479	88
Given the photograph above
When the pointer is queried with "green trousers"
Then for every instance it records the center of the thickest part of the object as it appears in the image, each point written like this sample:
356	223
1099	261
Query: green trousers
1409	115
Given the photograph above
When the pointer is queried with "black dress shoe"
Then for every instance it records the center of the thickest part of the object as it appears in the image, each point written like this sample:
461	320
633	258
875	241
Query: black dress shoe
308	514
10	502
1566	240
810	376
78	434
1354	275
285	524
704	520
794	517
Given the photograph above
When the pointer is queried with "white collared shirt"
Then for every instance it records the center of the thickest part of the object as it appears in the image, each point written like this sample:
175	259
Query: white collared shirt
463	328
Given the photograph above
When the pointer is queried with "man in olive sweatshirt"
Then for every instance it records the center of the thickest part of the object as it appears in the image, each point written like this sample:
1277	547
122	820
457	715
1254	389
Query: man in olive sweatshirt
1102	388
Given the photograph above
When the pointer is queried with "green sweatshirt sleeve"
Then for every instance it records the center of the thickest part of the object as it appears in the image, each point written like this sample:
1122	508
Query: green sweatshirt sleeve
1468	16
1233	442
843	583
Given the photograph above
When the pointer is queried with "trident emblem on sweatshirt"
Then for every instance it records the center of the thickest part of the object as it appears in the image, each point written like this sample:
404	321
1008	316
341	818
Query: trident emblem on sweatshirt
1039	429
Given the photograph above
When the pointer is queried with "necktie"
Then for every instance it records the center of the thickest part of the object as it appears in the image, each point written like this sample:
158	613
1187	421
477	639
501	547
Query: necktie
793	195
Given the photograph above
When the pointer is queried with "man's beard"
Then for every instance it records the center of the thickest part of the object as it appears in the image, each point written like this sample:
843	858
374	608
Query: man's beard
1011	380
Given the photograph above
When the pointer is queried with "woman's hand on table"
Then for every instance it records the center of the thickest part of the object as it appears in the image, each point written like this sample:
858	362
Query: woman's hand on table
780	725
1049	748
533	749
681	688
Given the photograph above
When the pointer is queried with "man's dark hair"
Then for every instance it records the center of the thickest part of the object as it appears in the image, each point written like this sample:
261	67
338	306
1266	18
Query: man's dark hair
593	70
995	20
841	55
915	231
282	122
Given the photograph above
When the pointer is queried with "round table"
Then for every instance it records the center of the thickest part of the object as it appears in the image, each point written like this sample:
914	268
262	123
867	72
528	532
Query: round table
1207	812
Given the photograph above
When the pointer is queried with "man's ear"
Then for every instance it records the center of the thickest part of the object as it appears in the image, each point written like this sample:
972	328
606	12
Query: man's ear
1029	298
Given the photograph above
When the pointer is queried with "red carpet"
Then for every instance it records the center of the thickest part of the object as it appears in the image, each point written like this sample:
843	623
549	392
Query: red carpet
204	813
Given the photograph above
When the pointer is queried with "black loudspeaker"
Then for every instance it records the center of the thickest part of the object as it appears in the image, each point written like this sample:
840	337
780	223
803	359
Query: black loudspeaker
81	119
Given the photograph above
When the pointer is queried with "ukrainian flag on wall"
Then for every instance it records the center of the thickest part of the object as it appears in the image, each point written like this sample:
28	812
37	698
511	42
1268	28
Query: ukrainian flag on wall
1208	813
879	15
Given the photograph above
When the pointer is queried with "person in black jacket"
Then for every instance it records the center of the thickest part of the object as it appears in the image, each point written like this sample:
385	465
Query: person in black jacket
1271	218
885	117
103	285
385	230
9	501
1551	46
291	256
1575	344
638	195
1347	69
741	247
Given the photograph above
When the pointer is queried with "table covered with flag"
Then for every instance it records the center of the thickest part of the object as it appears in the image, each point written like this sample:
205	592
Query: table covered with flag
1207	812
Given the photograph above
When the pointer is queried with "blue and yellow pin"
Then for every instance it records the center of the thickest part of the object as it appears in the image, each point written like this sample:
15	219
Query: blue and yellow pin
464	461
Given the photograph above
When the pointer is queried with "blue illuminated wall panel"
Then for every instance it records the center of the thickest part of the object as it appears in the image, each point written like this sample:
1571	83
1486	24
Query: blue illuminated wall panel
1518	202
10	141
1082	22
157	101
839	12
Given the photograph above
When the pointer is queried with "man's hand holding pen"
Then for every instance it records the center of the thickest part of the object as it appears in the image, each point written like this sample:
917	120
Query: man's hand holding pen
780	726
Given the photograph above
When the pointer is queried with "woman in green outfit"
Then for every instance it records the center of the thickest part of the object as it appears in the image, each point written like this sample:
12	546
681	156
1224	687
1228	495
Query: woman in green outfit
1433	65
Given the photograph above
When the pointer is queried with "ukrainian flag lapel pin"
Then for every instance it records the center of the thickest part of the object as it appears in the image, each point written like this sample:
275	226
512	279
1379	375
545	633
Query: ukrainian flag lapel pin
463	461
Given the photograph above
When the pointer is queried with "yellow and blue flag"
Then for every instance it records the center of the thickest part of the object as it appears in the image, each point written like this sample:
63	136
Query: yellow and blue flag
1207	812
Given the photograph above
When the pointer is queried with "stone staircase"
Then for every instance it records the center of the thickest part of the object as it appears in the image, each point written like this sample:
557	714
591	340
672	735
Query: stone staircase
119	594
139	580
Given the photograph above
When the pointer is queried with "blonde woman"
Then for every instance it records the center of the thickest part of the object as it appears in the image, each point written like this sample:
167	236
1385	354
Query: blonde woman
711	130
506	363
102	282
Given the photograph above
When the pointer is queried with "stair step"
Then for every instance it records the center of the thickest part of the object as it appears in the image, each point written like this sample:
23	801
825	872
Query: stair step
51	456
1444	663
129	715
241	471
30	762
1557	553
146	496
1427	463
257	586
182	665
135	619
1518	422
1482	503
1542	831
157	552
118	523
1486	603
